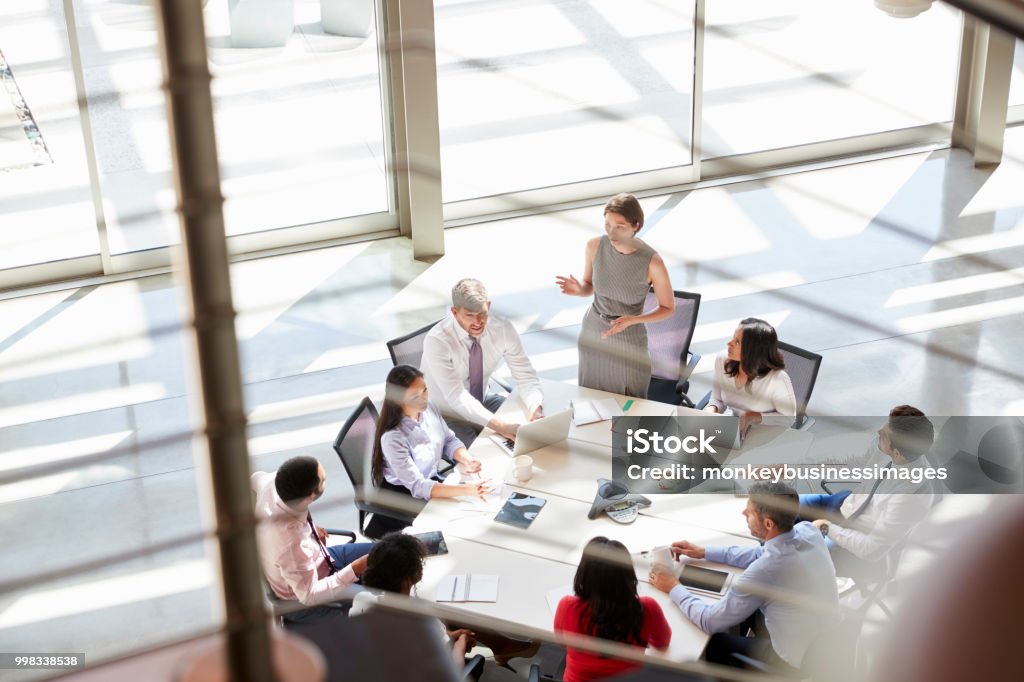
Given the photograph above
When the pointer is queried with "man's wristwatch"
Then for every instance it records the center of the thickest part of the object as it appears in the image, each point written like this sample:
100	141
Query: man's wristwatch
824	530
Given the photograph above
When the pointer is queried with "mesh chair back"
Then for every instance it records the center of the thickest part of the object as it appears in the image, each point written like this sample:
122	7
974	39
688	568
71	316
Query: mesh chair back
802	368
669	340
408	349
354	443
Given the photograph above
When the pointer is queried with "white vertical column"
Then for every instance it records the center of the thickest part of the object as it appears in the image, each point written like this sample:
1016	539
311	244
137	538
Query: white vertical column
983	90
416	129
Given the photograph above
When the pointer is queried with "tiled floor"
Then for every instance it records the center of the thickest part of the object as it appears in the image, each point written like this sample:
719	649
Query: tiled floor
905	274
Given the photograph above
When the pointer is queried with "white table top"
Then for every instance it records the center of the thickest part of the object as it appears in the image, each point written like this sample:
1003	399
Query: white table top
523	586
543	557
562	529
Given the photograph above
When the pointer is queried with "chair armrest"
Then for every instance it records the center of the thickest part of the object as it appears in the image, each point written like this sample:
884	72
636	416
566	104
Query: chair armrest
704	401
342	533
691	365
372	508
751	663
507	387
824	486
447	467
534	673
474	665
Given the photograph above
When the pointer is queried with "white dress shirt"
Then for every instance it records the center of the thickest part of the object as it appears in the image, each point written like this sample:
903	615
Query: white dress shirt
413	449
366	600
771	394
446	366
293	562
897	506
796	563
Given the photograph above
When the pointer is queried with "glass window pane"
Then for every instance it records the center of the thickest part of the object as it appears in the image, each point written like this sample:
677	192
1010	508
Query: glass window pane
46	210
534	94
791	72
300	132
1017	77
300	129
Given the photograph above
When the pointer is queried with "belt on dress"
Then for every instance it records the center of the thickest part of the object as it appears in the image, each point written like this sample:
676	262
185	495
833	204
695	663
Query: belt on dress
608	317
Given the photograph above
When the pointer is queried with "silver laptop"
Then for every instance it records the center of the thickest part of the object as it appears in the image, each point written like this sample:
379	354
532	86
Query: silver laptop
536	435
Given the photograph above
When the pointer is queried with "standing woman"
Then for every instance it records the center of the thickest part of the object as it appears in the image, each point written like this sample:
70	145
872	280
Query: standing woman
750	378
605	604
619	271
410	440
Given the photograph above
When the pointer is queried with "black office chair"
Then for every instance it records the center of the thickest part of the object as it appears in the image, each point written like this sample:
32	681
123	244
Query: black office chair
802	367
668	342
354	446
408	349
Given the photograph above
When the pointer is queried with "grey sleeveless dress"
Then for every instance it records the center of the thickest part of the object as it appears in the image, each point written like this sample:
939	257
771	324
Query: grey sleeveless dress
619	363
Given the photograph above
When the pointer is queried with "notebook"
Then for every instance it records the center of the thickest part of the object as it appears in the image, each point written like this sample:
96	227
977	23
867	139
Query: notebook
591	411
464	587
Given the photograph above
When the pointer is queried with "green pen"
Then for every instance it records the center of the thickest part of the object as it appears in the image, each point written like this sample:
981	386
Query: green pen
629	404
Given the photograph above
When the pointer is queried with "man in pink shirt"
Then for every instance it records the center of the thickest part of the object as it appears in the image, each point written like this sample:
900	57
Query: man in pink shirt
295	559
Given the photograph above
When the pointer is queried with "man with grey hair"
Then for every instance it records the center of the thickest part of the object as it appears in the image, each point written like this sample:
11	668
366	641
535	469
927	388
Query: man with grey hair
459	355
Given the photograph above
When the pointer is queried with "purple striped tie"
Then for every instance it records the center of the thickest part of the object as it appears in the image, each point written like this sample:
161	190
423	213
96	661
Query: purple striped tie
476	369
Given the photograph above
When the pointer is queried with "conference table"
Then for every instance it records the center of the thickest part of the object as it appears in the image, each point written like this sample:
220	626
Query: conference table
536	565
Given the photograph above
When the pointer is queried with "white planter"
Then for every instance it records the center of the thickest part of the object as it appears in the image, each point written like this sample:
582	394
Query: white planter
347	17
261	23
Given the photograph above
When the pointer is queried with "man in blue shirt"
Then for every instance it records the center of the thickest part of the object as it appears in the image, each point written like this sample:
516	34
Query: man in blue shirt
790	580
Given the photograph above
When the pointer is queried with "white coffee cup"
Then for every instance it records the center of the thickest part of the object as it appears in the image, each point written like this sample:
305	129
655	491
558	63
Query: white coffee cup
523	468
662	557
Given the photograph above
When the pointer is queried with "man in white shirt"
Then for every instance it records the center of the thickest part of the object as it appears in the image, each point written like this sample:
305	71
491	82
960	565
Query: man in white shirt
461	353
864	526
296	561
789	580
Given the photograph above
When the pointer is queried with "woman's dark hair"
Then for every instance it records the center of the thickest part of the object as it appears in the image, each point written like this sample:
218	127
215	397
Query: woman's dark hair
606	582
394	559
759	350
399	379
628	207
297	478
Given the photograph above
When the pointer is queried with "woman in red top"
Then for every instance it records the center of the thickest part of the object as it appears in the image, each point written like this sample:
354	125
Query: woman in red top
606	605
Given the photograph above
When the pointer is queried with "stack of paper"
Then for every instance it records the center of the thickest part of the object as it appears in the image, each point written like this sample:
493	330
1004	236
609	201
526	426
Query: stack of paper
591	411
468	587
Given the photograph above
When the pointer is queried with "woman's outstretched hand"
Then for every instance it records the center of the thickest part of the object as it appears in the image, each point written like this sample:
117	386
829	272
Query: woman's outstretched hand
569	285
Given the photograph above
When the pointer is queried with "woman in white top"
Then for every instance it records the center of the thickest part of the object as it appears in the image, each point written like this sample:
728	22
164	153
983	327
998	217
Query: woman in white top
750	379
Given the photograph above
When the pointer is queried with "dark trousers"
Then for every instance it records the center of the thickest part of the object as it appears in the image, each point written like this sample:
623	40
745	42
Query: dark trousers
723	645
381	525
468	431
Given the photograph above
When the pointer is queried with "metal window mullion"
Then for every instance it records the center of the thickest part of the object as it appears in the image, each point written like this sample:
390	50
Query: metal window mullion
697	101
85	122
